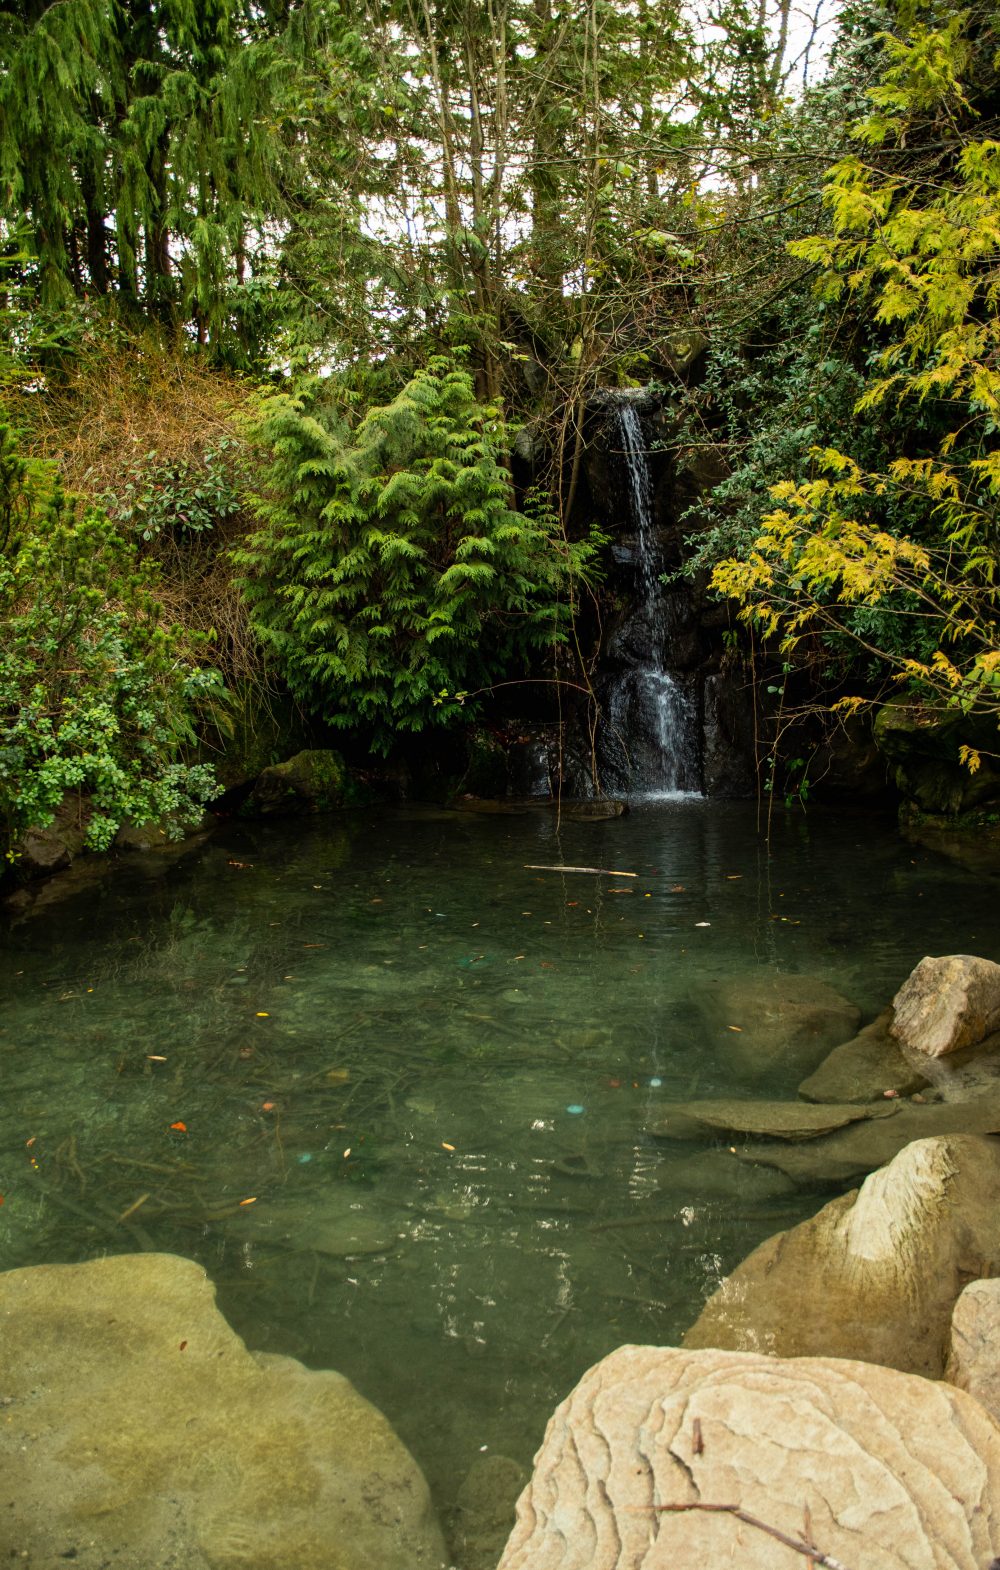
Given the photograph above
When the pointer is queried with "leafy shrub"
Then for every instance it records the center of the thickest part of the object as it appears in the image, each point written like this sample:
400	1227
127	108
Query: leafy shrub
96	696
391	574
183	494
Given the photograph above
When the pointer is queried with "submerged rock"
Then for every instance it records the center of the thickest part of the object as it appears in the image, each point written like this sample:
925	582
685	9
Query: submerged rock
772	1024
790	1120
974	1350
875	1274
484	1510
947	1004
139	1430
865	1068
595	811
866	1461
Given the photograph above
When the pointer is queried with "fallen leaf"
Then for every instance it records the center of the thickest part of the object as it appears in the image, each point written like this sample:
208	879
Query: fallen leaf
347	1152
251	1201
182	1346
181	1128
267	1106
737	1028
446	1147
262	1015
156	1057
677	888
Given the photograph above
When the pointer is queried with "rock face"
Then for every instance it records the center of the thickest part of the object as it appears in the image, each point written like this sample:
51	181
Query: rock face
875	1275
785	1024
974	1353
865	1068
948	1003
139	1431
922	746
312	781
885	1471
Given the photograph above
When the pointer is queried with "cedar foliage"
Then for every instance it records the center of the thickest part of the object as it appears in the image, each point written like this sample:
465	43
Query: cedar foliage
392	575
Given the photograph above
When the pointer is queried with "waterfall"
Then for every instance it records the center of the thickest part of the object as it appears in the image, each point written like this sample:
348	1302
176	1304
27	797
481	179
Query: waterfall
651	727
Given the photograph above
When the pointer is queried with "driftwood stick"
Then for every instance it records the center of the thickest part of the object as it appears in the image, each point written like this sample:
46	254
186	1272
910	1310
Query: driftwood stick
808	1550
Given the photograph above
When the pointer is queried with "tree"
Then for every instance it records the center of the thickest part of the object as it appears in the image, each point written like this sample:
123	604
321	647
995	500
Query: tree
902	560
392	576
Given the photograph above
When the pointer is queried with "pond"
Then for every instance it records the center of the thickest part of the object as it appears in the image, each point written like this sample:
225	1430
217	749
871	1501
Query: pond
387	1076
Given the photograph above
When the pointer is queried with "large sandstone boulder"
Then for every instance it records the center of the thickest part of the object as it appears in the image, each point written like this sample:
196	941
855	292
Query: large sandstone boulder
138	1431
770	1025
974	1352
948	1003
877	1469
865	1068
875	1274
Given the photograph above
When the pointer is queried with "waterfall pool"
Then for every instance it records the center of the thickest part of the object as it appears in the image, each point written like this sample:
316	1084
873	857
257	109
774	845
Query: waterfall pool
387	1077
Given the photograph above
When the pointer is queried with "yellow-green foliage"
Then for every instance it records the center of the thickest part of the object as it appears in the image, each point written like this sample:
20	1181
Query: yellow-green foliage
922	259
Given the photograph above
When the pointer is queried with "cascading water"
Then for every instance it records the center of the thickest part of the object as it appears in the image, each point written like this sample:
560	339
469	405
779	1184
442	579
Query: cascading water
651	724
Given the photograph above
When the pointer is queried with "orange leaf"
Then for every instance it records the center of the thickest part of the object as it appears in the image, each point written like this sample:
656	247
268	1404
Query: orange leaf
181	1128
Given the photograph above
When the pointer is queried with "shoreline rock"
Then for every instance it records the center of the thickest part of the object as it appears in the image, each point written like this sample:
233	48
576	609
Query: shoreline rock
882	1469
876	1273
139	1429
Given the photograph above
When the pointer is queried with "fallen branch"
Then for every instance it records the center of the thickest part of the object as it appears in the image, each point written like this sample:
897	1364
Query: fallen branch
605	872
808	1550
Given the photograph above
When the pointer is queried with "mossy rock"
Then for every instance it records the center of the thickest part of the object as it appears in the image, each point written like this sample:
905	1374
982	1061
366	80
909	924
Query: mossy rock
316	780
923	745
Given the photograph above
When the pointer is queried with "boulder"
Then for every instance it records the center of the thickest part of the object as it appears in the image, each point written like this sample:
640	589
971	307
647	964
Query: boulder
877	1469
312	781
946	1004
790	1120
40	851
865	1068
138	1430
974	1353
875	1274
783	1024
165	834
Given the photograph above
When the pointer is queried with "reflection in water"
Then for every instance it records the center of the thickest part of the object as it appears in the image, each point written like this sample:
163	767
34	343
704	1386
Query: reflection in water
413	1077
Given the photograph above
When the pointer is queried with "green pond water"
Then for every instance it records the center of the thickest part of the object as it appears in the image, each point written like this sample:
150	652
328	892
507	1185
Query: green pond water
430	1067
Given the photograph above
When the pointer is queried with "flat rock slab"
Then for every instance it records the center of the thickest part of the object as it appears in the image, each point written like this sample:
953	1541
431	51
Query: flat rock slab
139	1432
947	1003
788	1120
891	1472
858	1149
865	1068
875	1274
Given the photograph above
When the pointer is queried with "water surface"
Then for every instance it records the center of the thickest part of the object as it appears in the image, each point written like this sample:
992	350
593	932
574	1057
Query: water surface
413	1074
